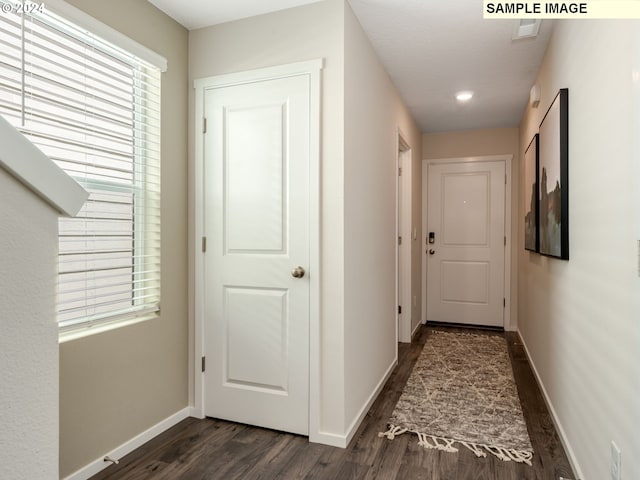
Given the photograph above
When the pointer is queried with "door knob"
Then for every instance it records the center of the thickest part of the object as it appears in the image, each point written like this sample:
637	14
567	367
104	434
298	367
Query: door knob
431	251
297	272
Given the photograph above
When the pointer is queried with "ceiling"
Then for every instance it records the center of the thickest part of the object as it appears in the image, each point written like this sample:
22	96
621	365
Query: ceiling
431	50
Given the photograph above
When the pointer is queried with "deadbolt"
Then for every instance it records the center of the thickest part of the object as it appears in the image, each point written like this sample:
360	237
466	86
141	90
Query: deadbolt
297	272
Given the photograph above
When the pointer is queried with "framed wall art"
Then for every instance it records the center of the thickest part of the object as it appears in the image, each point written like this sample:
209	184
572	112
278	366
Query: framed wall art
531	239
553	179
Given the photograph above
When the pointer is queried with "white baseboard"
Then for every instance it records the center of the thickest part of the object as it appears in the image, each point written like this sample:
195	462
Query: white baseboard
353	428
331	439
195	413
554	417
342	441
129	446
415	330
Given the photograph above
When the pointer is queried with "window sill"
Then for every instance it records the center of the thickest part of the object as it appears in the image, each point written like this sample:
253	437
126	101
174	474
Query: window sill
89	330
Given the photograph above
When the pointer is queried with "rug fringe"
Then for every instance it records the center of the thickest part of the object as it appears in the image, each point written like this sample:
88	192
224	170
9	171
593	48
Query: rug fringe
476	449
392	432
447	445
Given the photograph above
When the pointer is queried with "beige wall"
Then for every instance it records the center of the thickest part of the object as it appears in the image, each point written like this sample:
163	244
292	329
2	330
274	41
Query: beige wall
472	143
294	35
373	112
117	384
580	318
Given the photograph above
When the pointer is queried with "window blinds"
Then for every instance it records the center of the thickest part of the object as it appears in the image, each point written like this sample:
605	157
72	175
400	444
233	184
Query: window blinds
94	109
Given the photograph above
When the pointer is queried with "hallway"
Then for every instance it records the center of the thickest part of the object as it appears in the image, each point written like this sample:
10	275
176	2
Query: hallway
212	449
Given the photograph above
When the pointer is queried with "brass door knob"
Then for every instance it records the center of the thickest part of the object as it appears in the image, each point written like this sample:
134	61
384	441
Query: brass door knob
297	272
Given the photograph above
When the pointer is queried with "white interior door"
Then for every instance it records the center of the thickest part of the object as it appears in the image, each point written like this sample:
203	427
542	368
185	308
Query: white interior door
256	196
465	258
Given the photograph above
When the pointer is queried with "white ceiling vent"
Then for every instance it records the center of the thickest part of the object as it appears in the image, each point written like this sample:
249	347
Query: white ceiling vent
526	28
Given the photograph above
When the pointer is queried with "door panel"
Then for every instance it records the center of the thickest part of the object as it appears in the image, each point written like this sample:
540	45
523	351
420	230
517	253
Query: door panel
465	264
256	163
255	199
257	322
474	277
465	207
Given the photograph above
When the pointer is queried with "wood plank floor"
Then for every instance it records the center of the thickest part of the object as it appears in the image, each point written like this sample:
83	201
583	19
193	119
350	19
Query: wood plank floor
214	449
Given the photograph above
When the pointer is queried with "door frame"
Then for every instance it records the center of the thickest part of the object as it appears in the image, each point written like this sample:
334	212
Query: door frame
312	69
403	228
509	324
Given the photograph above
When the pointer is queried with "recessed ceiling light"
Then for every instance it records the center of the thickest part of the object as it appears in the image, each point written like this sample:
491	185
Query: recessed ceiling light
464	96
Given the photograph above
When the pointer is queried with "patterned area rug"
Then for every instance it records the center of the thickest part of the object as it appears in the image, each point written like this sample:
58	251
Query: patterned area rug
461	391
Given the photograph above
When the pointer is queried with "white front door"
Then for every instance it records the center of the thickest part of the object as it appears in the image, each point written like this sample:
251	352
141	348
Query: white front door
256	220
466	225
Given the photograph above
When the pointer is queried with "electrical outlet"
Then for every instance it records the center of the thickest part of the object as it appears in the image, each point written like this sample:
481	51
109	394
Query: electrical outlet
615	462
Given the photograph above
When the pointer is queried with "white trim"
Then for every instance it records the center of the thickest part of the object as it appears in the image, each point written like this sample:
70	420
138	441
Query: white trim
508	322
403	264
331	439
92	25
554	417
315	174
87	329
353	427
397	249
423	256
117	453
260	74
35	170
415	330
312	69
342	441
198	256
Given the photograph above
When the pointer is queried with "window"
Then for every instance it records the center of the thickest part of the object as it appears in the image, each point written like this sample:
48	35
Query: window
94	109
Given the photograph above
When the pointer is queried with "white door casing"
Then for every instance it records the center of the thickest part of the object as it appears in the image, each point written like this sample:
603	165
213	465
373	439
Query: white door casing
405	240
256	324
466	262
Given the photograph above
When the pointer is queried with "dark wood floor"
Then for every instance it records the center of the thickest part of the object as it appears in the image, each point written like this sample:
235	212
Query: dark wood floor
214	449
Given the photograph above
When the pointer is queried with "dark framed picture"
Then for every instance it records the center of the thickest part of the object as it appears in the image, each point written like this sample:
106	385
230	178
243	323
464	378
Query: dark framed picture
531	239
553	178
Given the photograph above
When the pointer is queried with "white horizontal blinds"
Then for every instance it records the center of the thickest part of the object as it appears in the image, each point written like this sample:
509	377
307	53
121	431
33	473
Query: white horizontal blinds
94	109
11	68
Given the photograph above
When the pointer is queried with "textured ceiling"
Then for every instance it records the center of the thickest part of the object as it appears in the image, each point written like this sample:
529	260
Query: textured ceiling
430	48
